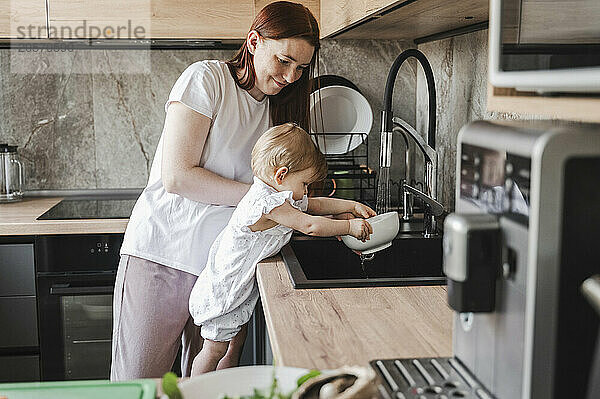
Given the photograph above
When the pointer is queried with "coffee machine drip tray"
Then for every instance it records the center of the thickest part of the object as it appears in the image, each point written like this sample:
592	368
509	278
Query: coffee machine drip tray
424	378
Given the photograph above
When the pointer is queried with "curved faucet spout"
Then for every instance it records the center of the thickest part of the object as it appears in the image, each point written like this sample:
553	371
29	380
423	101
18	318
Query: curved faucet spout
429	154
402	125
386	121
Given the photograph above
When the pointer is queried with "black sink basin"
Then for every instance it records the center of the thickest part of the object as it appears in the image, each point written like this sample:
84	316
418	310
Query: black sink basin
327	263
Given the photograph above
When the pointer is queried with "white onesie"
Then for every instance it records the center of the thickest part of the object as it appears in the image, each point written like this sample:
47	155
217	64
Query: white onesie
225	294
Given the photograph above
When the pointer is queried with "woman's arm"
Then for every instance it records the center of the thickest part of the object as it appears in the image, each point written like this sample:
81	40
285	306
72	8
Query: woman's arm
184	137
336	206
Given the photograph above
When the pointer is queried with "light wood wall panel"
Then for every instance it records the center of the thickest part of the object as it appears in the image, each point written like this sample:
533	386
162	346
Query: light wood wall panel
337	14
174	19
312	5
580	109
17	15
396	20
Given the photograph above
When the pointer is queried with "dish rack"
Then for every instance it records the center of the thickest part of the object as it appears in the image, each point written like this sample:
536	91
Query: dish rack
349	175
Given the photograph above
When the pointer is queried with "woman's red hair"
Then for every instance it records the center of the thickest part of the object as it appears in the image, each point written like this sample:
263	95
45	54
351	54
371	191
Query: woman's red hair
282	20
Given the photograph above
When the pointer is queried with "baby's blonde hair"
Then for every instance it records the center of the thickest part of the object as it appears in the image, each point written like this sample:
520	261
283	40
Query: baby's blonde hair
287	145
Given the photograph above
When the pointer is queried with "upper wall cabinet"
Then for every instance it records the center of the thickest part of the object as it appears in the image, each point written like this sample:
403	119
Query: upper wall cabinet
22	18
408	19
156	19
137	19
312	5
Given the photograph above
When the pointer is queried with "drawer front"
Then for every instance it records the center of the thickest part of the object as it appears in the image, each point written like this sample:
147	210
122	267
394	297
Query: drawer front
18	316
19	368
17	275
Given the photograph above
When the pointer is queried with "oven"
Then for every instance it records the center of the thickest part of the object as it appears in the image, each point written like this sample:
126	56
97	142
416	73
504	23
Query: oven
75	277
75	280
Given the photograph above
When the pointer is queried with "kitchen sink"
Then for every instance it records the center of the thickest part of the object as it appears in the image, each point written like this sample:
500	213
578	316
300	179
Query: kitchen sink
315	262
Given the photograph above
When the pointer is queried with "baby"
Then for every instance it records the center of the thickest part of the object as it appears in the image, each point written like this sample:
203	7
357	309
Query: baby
284	162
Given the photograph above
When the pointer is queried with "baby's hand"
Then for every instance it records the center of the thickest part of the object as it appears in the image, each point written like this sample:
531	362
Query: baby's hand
362	211
360	228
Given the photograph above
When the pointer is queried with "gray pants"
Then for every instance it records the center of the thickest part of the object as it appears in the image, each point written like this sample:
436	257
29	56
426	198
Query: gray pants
150	320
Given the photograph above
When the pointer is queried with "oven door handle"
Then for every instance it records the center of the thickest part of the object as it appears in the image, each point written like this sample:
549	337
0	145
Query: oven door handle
62	290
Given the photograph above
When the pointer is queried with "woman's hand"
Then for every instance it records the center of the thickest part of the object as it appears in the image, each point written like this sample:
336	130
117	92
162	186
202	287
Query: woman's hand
362	211
360	228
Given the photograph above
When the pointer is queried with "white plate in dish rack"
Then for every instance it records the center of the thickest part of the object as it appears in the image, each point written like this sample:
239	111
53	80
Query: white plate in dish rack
240	381
335	110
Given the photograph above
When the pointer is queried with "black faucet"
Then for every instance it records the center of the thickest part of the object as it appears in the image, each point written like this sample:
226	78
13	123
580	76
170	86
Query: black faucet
386	121
390	124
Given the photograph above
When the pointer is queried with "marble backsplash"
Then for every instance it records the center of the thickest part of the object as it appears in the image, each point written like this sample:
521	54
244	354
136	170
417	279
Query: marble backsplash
460	71
83	120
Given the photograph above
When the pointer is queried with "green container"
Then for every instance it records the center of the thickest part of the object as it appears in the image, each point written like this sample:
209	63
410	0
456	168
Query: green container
93	389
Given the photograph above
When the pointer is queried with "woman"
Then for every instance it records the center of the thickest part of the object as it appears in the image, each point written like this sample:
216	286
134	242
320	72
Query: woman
216	112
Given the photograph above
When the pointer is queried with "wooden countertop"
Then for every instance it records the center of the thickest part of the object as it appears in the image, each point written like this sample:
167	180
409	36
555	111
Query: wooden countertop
329	328
18	219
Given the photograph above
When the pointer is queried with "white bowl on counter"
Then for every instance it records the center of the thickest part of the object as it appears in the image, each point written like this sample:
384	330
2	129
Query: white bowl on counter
238	381
385	228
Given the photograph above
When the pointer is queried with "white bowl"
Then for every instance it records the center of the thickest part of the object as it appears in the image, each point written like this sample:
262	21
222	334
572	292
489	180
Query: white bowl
385	228
342	111
239	381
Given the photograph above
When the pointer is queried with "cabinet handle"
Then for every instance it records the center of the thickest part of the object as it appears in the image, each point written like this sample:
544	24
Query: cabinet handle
92	341
56	290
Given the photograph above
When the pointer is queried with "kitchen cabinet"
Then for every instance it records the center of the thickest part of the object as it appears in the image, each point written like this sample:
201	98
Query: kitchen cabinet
408	19
19	349
230	19
161	19
137	19
575	108
17	15
313	5
339	14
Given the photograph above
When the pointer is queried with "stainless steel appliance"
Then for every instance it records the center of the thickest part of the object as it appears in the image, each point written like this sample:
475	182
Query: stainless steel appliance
522	241
11	174
545	46
527	229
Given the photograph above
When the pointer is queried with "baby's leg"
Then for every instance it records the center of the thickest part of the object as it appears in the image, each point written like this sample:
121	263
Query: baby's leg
232	357
208	358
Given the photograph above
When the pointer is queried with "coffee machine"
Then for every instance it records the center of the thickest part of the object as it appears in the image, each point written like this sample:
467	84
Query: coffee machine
524	237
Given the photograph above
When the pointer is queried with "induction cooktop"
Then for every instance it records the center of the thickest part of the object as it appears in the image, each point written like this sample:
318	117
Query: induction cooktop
90	208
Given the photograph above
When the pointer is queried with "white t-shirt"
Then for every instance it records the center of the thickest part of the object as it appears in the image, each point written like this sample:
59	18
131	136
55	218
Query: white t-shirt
178	232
